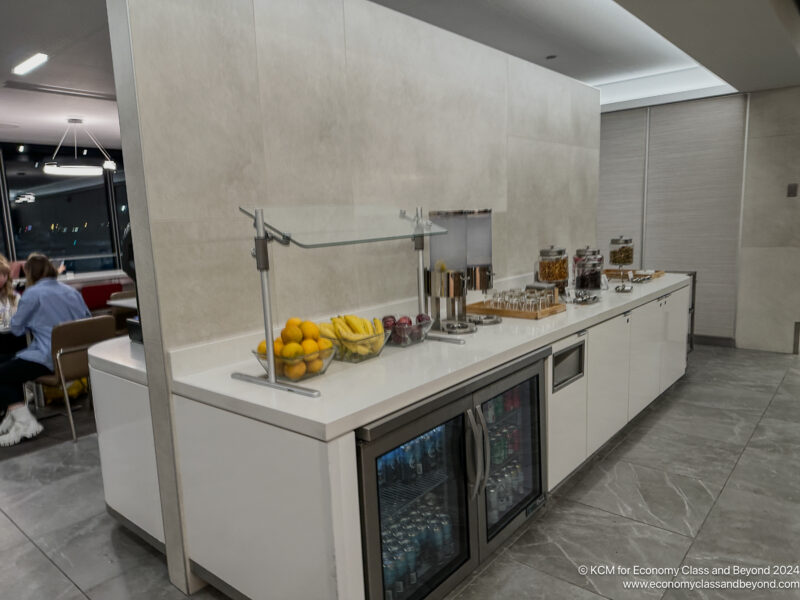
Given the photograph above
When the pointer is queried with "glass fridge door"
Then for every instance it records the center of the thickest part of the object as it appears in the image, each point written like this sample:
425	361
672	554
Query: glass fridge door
512	421
422	508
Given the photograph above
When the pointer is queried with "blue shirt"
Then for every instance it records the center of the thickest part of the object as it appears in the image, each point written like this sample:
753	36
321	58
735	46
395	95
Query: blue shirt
43	306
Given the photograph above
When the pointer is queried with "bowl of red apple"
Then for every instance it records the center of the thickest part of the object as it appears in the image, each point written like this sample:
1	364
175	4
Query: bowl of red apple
406	331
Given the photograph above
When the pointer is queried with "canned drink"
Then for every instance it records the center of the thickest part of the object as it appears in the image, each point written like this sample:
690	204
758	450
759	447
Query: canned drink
491	497
447	536
389	573
410	553
515	438
509	487
497	450
498	408
417	446
509	435
508	402
438	540
488	412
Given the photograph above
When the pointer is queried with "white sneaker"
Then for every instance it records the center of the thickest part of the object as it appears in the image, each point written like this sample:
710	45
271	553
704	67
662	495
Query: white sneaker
8	422
25	426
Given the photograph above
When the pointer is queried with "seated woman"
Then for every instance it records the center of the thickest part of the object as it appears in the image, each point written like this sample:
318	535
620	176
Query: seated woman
9	343
45	304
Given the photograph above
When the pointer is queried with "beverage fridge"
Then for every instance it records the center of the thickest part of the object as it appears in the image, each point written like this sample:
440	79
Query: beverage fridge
445	481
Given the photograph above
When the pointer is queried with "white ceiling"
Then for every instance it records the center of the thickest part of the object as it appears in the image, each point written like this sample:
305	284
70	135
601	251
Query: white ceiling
74	33
752	44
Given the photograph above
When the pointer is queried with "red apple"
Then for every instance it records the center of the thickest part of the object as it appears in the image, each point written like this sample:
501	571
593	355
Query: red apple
405	321
388	322
423	318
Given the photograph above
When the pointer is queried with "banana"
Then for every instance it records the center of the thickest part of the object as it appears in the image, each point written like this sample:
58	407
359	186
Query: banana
368	326
340	322
378	325
345	334
355	324
327	330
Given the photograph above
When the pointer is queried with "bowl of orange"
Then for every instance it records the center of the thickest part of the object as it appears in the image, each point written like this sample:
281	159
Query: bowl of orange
300	353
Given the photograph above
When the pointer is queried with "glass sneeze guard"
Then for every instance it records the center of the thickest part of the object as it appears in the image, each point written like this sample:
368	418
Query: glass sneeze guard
321	227
326	225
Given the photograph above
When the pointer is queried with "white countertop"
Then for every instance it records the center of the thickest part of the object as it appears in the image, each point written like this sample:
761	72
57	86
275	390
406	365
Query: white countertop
121	357
89	276
353	395
124	303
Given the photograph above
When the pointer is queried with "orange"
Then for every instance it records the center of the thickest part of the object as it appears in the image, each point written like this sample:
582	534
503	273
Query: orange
291	333
325	346
315	366
295	371
294	321
262	347
277	346
292	350
310	330
278	367
310	350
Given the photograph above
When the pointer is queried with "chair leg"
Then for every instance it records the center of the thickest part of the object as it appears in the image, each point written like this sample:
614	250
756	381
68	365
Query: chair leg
66	400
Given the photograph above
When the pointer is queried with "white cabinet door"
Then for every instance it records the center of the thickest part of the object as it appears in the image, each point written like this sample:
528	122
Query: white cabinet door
608	366
127	450
676	330
566	408
647	327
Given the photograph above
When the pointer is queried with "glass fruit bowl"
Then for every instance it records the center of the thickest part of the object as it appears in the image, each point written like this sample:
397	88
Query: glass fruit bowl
299	367
408	335
359	350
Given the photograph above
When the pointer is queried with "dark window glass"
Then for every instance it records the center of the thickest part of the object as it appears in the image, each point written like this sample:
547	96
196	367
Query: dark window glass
64	217
121	199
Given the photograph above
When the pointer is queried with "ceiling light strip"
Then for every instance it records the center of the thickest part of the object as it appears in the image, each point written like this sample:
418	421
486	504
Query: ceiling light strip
30	64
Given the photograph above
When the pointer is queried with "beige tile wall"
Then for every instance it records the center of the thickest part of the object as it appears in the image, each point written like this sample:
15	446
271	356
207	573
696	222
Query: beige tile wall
769	269
274	102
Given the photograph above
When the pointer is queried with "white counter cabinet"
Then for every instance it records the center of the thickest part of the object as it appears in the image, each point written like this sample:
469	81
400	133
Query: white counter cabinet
566	408
125	437
675	307
647	330
608	366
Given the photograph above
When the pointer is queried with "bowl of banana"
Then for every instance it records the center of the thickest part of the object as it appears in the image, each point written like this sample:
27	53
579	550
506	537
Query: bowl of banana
355	338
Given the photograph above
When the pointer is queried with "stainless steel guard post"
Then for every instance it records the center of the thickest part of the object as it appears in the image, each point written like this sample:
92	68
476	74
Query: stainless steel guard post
419	246
262	264
261	254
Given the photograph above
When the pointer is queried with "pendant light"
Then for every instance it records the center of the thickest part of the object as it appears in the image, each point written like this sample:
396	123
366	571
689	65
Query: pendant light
78	167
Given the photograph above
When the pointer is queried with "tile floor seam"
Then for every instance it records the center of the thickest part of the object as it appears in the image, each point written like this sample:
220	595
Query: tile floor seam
572	583
727	479
613	514
43	553
704	483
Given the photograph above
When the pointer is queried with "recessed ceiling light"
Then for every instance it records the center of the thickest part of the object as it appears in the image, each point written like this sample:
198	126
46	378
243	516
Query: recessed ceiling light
85	151
21	149
551	56
29	65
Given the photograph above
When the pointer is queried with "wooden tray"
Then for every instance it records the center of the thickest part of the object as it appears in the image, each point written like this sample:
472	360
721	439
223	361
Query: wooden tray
485	308
614	273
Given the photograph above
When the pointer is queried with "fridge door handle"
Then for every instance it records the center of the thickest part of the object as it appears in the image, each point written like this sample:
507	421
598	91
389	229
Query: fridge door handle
476	456
487	452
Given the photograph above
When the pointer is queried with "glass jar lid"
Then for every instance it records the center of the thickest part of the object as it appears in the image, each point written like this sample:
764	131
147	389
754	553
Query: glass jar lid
552	252
588	251
621	241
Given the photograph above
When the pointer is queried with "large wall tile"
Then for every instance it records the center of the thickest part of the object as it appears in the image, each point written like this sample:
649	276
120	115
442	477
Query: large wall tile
620	202
694	199
302	76
427	113
768	298
545	105
199	106
769	217
775	112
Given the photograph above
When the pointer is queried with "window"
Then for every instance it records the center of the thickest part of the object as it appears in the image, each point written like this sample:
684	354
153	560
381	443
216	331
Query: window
66	218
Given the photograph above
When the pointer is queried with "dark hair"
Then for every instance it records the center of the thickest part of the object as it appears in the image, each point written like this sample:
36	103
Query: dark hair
37	267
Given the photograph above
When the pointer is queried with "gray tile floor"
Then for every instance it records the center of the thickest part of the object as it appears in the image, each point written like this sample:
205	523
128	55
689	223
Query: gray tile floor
708	476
